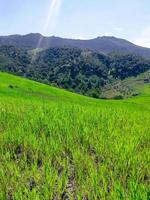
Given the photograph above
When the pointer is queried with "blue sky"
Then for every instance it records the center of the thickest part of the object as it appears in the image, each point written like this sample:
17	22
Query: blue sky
129	19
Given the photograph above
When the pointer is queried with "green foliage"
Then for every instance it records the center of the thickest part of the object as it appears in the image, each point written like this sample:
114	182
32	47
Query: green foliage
57	145
82	71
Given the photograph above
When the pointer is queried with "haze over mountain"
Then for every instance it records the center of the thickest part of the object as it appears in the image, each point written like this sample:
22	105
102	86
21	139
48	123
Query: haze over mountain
103	44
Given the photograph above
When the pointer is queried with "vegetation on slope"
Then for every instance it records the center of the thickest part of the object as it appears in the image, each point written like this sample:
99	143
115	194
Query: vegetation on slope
81	71
132	86
58	145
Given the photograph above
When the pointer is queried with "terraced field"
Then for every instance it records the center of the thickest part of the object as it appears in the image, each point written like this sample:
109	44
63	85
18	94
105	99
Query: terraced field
58	145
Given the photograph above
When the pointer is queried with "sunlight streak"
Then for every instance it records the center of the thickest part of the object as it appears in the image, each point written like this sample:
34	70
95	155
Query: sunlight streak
52	16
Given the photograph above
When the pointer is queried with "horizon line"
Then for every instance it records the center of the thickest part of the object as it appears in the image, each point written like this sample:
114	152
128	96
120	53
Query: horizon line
75	38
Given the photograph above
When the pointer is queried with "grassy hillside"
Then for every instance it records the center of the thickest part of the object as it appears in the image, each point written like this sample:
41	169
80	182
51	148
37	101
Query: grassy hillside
128	87
58	145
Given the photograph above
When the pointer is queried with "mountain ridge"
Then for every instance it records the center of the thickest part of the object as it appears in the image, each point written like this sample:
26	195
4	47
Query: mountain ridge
103	44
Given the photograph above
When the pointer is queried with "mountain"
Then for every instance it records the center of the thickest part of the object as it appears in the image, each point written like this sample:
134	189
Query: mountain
103	44
82	71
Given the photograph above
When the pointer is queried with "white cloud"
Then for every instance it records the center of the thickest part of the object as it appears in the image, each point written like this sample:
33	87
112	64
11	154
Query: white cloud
106	34
144	39
118	29
82	38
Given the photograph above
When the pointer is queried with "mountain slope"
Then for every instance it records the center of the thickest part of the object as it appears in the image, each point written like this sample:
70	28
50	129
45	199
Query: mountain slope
58	145
82	71
102	44
17	88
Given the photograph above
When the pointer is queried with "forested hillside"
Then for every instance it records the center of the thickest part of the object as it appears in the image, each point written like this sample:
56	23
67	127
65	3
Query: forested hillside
81	71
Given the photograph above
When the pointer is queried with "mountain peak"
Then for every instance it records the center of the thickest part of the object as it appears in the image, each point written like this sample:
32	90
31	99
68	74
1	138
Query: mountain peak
106	37
33	35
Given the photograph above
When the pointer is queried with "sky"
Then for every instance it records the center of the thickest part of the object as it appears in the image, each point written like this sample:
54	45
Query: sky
79	19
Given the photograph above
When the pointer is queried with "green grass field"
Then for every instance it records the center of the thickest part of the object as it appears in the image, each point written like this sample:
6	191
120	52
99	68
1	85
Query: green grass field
58	145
